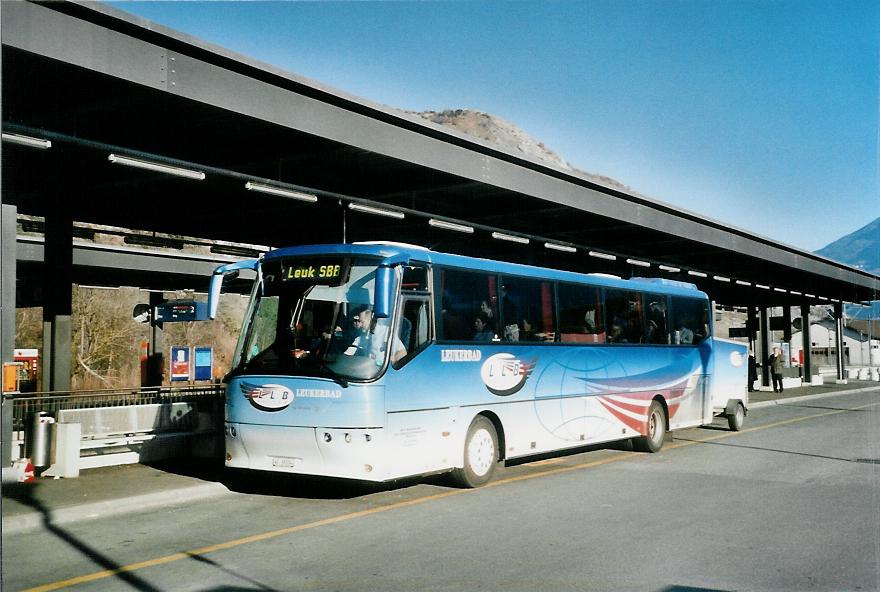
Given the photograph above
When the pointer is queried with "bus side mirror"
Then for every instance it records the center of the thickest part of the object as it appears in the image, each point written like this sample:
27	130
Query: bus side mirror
384	291
230	271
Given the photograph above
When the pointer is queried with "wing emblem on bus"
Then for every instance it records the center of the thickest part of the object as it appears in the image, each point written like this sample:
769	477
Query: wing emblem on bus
267	397
505	374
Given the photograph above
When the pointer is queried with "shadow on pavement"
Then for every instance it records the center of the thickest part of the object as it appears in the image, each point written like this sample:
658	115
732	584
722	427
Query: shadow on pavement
215	565
24	494
286	485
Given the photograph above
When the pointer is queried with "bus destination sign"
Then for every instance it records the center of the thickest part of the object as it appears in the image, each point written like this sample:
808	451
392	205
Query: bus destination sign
317	273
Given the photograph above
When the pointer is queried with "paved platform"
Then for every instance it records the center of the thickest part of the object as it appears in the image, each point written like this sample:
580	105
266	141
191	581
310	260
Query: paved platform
121	489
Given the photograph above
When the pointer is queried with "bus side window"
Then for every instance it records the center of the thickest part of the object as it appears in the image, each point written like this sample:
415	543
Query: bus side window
527	310
624	316
690	320
464	296
414	326
580	314
414	279
656	329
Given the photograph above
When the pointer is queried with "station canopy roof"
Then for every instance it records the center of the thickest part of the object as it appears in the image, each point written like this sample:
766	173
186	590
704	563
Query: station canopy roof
104	86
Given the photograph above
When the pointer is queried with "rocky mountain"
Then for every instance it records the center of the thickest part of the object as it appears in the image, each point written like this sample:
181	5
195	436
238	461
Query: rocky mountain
498	132
860	249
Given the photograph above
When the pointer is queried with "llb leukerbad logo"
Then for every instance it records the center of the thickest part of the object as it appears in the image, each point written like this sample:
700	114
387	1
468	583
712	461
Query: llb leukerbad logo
505	374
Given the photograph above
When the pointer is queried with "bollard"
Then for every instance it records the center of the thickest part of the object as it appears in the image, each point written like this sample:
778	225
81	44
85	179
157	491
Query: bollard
38	448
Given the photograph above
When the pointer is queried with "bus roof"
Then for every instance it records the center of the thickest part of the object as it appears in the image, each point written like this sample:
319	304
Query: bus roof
416	254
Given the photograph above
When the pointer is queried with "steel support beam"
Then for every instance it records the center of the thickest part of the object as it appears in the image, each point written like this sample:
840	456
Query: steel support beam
765	346
58	294
839	342
7	320
807	343
155	360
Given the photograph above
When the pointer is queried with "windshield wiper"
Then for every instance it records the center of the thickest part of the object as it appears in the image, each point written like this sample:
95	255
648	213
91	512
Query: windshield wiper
322	366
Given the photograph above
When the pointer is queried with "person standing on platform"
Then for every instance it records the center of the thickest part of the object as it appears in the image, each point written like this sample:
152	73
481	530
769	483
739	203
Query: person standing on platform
753	371
774	362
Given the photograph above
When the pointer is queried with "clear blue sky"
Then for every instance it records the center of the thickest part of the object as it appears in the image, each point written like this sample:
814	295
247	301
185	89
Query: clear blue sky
760	114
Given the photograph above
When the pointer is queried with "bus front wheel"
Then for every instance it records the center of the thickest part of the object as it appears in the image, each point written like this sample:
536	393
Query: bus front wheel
655	430
480	454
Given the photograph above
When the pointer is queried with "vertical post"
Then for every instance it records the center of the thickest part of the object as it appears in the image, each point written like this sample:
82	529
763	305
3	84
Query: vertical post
155	360
58	291
786	321
7	320
7	306
752	325
807	343
838	323
765	346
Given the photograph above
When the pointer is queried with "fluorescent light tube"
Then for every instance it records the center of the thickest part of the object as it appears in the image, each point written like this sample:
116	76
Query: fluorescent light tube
638	262
27	141
558	247
670	269
743	283
510	238
451	226
721	278
251	186
697	273
599	255
155	166
377	211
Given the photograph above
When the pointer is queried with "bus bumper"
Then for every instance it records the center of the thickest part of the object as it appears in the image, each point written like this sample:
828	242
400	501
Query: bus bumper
331	452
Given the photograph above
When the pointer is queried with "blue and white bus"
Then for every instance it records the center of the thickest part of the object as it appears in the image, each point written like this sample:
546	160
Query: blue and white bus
378	361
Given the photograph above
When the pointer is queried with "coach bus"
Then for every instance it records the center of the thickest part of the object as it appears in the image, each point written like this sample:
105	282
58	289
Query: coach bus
377	361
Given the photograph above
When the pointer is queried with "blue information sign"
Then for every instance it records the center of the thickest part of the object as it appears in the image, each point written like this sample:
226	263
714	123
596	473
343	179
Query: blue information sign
204	363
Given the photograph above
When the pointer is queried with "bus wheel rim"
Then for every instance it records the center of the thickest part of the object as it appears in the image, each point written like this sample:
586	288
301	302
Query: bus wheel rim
653	423
481	452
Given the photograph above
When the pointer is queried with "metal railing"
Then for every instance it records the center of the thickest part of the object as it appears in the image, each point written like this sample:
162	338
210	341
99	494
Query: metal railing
26	404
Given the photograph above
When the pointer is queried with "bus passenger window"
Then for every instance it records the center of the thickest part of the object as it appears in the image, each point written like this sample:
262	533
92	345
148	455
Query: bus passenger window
527	310
690	321
580	315
624	316
656	329
464	294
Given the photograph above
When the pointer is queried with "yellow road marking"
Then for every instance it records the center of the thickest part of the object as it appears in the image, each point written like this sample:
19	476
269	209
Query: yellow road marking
429	498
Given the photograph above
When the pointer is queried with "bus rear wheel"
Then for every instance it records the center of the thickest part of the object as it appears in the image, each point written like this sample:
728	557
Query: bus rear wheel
735	420
481	454
655	430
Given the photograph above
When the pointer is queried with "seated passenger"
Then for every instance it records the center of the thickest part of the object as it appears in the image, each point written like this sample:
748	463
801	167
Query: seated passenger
483	328
685	334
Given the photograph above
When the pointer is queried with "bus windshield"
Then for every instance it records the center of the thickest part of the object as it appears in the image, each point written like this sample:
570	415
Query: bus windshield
314	317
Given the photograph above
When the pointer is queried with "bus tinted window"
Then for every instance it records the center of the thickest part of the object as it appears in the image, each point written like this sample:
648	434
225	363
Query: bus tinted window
690	320
580	315
414	279
527	310
468	304
624	316
656	317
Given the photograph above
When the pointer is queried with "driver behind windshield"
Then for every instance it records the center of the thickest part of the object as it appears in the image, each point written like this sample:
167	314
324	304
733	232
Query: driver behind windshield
370	338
